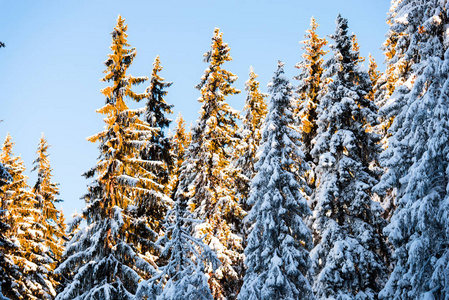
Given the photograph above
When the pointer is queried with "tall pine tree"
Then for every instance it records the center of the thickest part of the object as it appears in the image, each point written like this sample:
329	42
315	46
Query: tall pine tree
6	266
46	192
277	255
110	256
416	157
158	147
245	152
346	260
311	84
156	164
206	177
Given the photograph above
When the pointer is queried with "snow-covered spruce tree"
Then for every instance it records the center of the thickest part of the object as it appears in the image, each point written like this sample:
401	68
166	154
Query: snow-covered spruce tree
5	243
277	254
245	150
46	192
400	50
416	159
157	162
6	266
206	174
347	258
158	147
29	259
110	256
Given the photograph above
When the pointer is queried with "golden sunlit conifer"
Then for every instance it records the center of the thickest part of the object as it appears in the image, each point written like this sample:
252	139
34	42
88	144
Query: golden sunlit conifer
158	161
46	191
374	76
111	265
311	84
245	152
206	177
32	278
180	141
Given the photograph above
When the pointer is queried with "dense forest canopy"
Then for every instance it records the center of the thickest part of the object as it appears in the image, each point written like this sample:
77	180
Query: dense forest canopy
333	185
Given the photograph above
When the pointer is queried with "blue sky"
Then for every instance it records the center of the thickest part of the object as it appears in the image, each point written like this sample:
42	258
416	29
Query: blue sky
52	63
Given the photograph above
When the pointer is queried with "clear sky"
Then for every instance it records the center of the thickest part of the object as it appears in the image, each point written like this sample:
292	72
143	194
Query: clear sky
52	63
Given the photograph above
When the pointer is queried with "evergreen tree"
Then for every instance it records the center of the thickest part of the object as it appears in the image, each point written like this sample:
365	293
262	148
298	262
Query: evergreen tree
311	84
158	147
245	152
180	141
206	176
347	258
6	266
110	256
400	50
46	191
277	255
157	156
374	76
29	258
416	157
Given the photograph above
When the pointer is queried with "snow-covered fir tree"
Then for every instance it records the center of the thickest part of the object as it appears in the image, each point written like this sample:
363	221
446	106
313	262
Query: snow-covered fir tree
31	264
5	243
416	157
158	147
206	174
156	163
347	260
277	254
46	192
245	151
6	266
109	257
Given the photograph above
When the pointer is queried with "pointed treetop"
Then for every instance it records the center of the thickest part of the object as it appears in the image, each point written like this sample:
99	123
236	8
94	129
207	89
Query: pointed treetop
116	66
374	74
156	66
7	147
119	32
220	50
